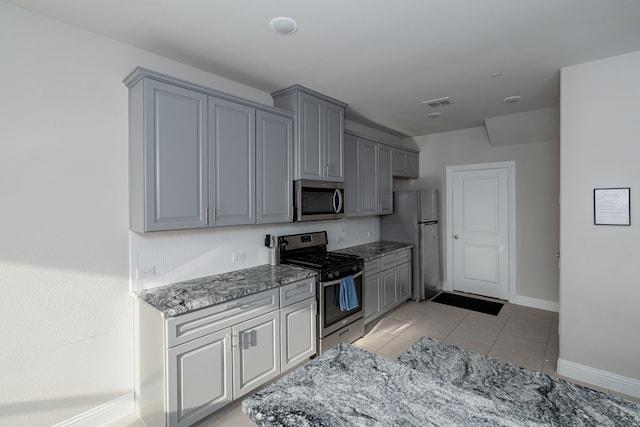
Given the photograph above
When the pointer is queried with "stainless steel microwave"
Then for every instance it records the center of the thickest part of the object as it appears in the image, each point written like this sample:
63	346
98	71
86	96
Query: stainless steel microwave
318	200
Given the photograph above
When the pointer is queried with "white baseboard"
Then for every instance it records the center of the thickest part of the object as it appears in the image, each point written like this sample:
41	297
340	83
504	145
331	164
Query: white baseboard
102	414
542	304
609	380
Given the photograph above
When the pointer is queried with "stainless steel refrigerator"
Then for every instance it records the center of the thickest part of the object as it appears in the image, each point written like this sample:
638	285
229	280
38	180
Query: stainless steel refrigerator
415	220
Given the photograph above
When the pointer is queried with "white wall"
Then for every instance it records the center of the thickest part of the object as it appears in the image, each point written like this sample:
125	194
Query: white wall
537	188
184	255
65	308
600	272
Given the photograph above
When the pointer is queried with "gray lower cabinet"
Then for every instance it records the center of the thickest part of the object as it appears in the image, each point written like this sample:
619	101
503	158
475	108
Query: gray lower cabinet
405	164
198	158
319	134
298	335
256	352
200	378
274	168
189	366
387	283
368	176
372	297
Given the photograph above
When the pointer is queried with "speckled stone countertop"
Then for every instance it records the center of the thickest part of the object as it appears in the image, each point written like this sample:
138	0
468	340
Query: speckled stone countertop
184	297
432	384
552	401
349	386
373	250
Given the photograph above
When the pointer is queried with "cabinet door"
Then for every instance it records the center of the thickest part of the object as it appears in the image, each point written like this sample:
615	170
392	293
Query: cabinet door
333	139
256	359
199	378
298	334
310	147
372	300
399	163
403	281
232	157
413	163
385	180
368	177
351	176
389	293
174	159
274	168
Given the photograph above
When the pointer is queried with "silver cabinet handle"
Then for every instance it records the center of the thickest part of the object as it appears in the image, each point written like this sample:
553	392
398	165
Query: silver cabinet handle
456	237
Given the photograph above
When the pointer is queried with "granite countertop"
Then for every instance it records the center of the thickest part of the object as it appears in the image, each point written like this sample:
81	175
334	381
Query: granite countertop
184	297
349	386
373	250
431	384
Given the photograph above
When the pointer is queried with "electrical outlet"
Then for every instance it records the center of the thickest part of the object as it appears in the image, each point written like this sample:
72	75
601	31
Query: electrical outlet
238	257
144	272
369	234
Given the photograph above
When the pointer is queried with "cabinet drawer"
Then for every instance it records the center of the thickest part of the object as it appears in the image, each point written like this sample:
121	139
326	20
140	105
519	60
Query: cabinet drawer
202	322
371	267
394	259
297	291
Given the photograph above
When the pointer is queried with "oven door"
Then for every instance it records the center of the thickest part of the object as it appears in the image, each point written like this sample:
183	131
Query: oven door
331	317
317	200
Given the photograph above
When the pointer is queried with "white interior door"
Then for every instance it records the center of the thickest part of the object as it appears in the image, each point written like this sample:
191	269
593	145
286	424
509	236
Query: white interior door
480	231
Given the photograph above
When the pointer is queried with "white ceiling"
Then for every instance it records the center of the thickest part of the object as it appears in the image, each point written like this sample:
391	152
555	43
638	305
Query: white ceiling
381	57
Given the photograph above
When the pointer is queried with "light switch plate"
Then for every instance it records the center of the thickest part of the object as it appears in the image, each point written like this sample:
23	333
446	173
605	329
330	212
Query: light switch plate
144	272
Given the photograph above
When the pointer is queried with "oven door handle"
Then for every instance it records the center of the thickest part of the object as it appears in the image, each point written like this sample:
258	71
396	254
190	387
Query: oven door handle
337	282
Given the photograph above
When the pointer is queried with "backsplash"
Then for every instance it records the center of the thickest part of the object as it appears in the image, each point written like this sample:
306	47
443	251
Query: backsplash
162	258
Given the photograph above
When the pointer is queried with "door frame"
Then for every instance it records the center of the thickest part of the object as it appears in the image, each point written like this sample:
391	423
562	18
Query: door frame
511	183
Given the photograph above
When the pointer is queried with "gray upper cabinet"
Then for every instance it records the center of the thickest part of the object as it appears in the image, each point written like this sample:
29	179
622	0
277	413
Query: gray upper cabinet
405	164
352	193
274	168
334	131
319	134
385	180
194	153
231	162
368	179
168	157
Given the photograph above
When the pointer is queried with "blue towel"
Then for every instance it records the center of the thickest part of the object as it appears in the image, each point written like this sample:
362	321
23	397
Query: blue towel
348	296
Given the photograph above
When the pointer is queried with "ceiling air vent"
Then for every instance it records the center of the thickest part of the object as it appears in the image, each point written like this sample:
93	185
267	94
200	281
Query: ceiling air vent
440	102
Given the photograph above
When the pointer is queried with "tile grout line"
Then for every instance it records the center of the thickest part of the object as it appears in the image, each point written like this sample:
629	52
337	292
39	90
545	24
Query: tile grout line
501	331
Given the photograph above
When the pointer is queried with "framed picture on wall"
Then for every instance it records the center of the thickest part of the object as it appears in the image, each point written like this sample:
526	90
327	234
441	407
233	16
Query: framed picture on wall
612	206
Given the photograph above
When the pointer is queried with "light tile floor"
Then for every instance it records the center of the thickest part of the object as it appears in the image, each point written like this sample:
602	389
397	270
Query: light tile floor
520	335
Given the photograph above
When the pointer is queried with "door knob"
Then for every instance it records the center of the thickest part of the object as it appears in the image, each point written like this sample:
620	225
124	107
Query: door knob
455	237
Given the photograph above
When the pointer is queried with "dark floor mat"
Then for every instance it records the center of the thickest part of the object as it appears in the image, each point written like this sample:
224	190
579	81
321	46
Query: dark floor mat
487	307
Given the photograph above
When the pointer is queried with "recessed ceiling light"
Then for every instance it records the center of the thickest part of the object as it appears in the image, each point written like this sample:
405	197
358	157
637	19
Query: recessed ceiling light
283	25
434	115
496	74
512	99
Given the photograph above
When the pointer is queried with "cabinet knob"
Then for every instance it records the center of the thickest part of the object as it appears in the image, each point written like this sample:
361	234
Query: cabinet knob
456	237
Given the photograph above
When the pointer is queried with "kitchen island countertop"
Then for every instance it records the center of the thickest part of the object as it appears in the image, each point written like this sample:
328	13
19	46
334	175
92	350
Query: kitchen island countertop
374	250
184	297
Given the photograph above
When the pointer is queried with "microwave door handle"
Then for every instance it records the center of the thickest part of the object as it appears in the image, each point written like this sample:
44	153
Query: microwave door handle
338	208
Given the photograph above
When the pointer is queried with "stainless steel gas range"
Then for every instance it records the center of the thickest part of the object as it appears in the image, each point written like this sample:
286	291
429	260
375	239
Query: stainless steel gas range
335	325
